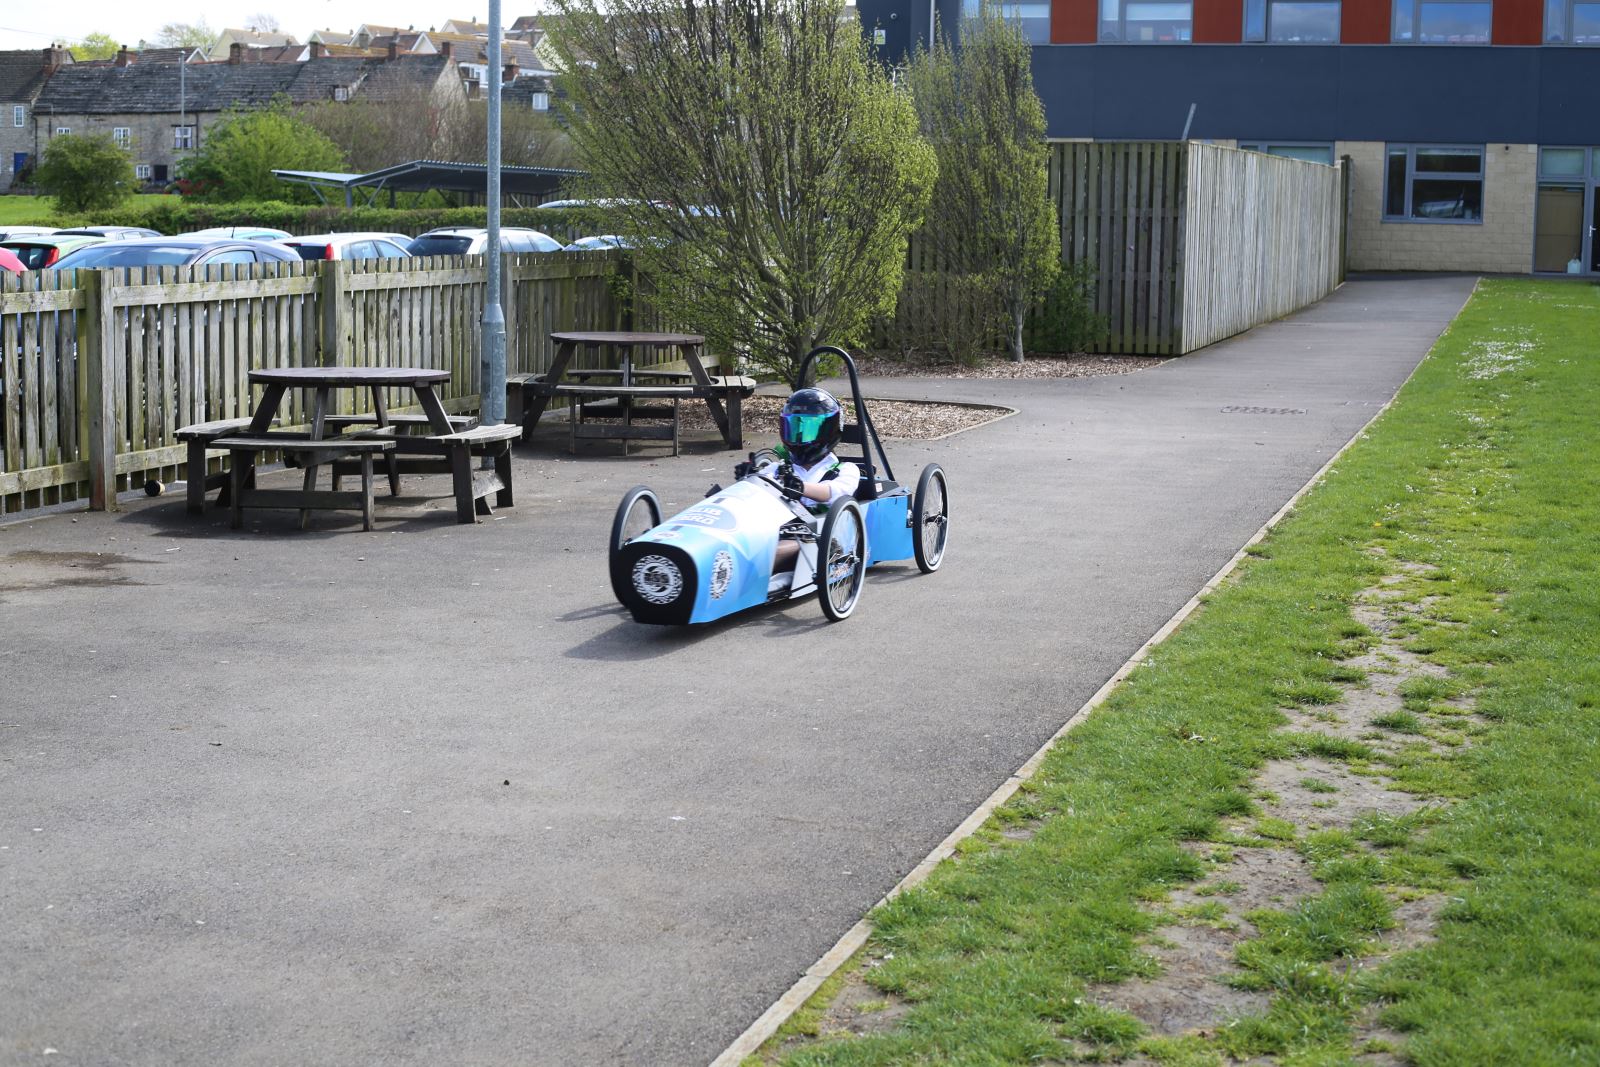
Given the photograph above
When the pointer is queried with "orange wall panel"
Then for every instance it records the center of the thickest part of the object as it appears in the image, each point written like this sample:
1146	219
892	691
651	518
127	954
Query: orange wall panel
1218	21
1365	21
1517	22
1072	21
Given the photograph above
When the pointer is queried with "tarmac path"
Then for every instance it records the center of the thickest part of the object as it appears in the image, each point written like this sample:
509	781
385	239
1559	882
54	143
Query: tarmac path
426	795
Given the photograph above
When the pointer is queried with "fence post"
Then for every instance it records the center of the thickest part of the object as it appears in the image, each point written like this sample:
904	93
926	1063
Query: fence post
96	364
508	305
330	294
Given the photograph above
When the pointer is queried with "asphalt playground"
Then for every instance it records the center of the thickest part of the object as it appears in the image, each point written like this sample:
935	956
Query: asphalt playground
427	796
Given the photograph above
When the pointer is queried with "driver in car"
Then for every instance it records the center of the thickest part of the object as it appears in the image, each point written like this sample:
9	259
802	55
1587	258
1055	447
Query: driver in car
809	426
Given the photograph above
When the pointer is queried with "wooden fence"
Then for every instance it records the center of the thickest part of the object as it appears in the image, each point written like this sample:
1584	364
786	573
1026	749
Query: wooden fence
100	368
1190	243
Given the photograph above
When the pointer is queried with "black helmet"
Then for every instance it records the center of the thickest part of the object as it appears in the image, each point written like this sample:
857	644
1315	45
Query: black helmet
810	425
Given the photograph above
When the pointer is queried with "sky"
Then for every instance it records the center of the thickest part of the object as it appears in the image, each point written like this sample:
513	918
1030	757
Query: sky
25	24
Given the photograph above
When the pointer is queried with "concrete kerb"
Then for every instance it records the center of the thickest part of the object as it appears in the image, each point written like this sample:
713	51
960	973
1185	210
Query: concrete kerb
767	1024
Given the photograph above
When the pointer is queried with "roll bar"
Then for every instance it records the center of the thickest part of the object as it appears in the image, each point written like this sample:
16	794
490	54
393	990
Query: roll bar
869	433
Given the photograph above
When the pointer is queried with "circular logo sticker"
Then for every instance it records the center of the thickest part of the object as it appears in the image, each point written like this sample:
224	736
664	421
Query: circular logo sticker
657	579
721	574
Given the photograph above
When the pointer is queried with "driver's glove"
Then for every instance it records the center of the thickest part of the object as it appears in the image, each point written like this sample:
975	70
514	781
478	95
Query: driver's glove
793	484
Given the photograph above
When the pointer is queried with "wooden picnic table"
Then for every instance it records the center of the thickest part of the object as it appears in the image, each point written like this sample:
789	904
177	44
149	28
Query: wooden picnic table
447	446
700	384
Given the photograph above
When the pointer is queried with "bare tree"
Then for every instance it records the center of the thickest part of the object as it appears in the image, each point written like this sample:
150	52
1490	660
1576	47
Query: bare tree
262	22
186	35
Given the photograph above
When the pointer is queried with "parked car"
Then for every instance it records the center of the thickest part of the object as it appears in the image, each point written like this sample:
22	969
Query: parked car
470	241
12	233
349	246
598	244
38	253
10	263
110	233
176	252
241	233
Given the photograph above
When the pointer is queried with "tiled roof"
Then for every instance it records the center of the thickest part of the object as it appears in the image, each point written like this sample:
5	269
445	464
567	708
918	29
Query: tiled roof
142	88
476	50
258	38
21	75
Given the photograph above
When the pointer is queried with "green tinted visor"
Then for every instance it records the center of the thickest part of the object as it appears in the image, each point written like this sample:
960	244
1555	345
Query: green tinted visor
802	429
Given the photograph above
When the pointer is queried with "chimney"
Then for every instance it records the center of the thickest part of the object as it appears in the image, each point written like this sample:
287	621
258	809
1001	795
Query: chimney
394	49
447	49
55	57
509	74
235	54
124	57
317	50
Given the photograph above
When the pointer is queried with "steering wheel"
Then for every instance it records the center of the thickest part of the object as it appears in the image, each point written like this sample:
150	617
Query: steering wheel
780	487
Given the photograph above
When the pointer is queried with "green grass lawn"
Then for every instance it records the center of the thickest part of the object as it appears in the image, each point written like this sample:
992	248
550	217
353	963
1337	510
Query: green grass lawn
1487	470
40	210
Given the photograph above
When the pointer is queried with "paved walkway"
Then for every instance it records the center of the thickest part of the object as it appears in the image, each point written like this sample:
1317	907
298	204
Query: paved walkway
426	796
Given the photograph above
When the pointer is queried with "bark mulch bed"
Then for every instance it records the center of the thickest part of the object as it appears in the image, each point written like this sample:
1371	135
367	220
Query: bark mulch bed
901	420
1068	366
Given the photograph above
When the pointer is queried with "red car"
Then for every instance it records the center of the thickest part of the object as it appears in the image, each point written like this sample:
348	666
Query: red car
10	262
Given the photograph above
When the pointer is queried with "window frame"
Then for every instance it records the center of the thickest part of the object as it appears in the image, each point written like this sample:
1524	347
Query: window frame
182	138
1261	11
19	115
123	136
1416	6
63	131
1563	9
137	168
1411	181
1262	146
539	101
1121	23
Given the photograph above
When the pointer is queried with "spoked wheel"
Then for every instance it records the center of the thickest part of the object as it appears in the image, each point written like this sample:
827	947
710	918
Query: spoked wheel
930	518
841	559
638	513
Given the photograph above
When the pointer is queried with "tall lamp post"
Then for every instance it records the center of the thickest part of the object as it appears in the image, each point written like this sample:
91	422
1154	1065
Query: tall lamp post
492	393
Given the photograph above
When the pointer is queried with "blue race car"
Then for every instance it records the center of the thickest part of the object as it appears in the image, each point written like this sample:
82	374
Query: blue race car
716	557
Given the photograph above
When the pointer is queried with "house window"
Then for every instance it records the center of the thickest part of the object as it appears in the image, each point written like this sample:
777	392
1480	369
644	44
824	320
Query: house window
19	114
1442	21
141	171
61	130
541	101
1146	21
1310	151
1571	22
1564	164
1292	21
1031	17
1433	183
123	136
341	93
183	137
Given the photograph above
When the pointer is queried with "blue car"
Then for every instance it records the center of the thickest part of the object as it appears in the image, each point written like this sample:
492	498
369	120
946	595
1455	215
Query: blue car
716	557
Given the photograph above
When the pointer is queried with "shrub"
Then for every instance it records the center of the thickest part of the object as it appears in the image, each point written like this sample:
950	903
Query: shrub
1065	321
85	172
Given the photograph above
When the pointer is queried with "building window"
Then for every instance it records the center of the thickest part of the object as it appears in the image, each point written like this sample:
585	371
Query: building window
61	130
341	93
541	101
1032	18
19	115
1310	151
123	136
183	137
1292	21
1572	22
1146	21
141	171
1442	21
1428	183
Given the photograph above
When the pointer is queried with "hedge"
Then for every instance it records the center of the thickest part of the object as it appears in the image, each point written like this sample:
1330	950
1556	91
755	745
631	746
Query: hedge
174	215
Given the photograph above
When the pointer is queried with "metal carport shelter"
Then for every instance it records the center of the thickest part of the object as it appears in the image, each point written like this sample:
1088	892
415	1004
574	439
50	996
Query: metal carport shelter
421	175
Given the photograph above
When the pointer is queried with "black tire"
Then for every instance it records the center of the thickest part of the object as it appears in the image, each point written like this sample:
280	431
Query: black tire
930	518
841	559
638	503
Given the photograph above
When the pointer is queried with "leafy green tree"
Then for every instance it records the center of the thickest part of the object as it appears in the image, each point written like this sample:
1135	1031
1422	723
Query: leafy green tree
96	46
991	214
186	35
238	155
766	165
85	172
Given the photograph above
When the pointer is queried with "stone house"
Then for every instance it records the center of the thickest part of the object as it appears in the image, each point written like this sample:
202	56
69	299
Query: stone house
223	45
160	112
23	75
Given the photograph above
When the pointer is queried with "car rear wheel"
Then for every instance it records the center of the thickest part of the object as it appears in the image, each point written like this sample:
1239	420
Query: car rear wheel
841	559
930	518
638	513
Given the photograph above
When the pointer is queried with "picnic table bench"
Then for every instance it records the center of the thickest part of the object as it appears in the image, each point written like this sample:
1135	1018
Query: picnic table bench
529	394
